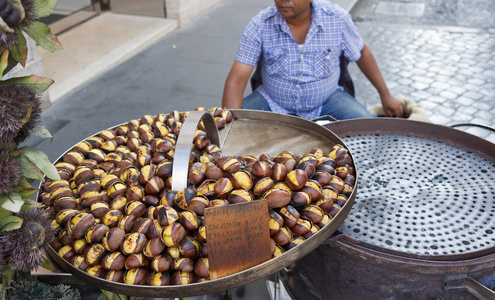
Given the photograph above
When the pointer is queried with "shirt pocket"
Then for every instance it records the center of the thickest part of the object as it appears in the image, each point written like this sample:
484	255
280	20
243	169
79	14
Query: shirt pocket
275	62
326	62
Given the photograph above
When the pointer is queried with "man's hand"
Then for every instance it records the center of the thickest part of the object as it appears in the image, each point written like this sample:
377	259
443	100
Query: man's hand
392	106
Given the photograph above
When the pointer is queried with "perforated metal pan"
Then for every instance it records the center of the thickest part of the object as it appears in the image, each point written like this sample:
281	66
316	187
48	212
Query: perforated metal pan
425	190
250	133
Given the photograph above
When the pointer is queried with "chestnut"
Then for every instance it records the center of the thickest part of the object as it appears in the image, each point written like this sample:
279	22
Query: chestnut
135	260
115	276
73	157
296	240
337	183
166	215
95	253
66	252
223	187
189	247
146	174
114	261
313	189
79	262
154	229
261	168
133	243
65	202
308	167
142	225
262	185
322	177
296	179
112	217
95	233
212	171
189	220
202	267
184	264
161	263
290	215
198	204
182	278
182	198
302	226
173	234
135	276
154	185
153	247
136	208
314	229
313	213
97	271
279	172
300	199
113	239
98	209
283	236
275	222
240	196
158	279
241	179
277	197
79	246
83	147
327	217
229	164
126	223
79	224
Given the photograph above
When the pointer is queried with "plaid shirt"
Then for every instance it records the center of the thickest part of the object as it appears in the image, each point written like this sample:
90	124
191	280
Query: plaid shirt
297	79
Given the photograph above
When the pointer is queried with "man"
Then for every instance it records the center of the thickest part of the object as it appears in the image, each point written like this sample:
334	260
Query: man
299	43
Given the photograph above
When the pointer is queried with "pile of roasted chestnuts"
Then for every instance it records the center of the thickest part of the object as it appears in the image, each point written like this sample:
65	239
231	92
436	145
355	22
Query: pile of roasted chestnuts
116	217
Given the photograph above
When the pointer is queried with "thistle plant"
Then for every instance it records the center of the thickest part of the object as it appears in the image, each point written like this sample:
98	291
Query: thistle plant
24	227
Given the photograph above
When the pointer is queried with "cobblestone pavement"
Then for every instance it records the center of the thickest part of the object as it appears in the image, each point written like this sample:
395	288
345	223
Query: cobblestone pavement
448	69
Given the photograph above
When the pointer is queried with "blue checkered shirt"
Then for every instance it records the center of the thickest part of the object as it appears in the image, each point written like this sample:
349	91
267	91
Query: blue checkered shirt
297	79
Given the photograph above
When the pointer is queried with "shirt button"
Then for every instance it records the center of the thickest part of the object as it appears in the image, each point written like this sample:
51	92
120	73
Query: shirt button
327	57
298	86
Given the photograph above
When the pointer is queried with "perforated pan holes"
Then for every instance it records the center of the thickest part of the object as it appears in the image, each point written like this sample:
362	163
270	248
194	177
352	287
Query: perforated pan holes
421	196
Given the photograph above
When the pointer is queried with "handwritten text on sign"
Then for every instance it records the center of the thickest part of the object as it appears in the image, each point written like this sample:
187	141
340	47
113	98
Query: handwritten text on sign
238	237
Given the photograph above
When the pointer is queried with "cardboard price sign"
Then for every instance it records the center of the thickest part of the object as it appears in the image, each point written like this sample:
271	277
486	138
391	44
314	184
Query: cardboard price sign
238	237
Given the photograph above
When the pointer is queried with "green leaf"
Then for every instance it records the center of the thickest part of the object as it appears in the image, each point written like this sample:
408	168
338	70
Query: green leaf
36	83
106	295
29	204
10	223
30	170
40	32
4	213
4	61
41	161
24	183
25	193
20	51
48	265
13	202
43	133
44	8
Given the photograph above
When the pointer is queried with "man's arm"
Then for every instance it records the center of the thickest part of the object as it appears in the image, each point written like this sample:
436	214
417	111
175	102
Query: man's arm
235	85
369	67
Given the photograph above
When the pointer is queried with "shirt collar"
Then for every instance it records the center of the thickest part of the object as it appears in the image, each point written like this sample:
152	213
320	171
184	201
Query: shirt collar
317	11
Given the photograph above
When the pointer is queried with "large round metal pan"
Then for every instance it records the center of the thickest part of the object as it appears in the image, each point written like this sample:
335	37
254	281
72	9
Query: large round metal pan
250	133
426	191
